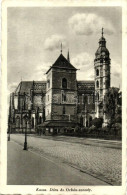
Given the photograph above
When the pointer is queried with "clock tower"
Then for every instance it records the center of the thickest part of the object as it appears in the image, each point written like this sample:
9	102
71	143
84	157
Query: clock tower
102	75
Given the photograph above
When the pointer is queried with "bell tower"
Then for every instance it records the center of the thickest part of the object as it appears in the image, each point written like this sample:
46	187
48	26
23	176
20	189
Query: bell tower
101	75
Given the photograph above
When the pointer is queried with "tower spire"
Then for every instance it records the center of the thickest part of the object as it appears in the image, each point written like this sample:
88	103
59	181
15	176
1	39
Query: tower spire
102	31
61	47
68	56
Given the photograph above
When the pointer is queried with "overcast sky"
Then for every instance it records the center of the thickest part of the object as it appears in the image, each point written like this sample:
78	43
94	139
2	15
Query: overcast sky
35	35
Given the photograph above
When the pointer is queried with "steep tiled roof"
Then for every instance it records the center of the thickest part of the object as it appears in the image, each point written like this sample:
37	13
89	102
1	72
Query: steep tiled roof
26	86
87	86
62	62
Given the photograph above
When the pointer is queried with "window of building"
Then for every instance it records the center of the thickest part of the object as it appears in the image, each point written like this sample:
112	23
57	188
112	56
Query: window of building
97	84
82	98
93	98
63	96
48	97
32	122
97	72
63	109
17	121
40	120
97	96
88	98
48	82
81	120
64	83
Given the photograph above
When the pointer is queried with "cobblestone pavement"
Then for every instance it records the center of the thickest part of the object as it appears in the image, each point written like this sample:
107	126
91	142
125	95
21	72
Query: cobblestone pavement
102	162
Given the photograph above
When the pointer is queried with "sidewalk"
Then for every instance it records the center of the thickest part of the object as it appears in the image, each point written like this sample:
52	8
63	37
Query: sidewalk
83	140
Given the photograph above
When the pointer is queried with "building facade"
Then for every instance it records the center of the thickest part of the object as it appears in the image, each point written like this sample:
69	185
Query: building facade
61	101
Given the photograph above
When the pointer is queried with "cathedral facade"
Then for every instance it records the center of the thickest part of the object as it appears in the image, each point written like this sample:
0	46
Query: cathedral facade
61	101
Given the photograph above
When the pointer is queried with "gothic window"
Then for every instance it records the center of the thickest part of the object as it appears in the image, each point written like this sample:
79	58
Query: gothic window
63	109
18	121
32	122
64	83
88	98
97	72
40	119
63	96
93	98
81	120
97	84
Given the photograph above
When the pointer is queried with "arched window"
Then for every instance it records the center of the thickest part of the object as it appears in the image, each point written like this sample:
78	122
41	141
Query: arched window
63	109
97	84
40	120
97	72
64	83
81	120
32	122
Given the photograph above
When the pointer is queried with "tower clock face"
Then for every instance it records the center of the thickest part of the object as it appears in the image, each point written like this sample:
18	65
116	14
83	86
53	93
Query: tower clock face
103	53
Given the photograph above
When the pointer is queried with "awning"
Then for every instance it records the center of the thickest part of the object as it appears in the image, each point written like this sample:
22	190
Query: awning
58	124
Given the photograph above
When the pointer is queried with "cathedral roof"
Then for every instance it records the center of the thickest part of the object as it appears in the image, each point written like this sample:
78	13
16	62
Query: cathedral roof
26	86
62	62
86	86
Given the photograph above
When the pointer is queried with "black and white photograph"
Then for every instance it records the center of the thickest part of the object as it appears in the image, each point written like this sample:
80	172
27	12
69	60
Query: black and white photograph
64	97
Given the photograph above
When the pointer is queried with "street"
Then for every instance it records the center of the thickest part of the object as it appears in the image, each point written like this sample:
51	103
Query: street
83	161
29	168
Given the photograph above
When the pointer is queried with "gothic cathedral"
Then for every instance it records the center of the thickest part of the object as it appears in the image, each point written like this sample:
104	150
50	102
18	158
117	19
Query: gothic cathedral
61	101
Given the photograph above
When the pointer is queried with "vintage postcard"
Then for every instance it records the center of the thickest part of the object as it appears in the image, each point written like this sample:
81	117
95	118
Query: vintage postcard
63	118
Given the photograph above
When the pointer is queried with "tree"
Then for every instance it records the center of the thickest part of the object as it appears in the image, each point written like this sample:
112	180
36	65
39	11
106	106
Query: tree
112	103
97	122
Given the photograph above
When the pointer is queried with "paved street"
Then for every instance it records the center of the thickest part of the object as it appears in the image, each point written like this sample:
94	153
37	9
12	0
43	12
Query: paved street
94	157
30	168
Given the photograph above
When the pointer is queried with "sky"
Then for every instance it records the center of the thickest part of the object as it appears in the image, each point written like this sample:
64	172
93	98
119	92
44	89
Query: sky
34	36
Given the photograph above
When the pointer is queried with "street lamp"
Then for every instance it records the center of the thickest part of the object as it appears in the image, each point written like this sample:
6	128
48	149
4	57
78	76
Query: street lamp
25	143
9	134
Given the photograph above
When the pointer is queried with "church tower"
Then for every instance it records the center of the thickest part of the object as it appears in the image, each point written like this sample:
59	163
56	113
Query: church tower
102	75
61	107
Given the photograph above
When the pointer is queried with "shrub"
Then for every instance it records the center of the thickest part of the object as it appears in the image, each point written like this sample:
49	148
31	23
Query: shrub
97	122
77	130
62	130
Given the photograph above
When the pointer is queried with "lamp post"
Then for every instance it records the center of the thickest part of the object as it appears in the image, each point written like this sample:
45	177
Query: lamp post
25	143
9	134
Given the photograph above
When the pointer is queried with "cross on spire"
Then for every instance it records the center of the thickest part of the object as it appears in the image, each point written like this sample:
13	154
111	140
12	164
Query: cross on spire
61	47
102	31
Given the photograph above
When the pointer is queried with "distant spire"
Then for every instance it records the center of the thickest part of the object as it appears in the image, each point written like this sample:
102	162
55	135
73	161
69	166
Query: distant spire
61	47
102	31
68	56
